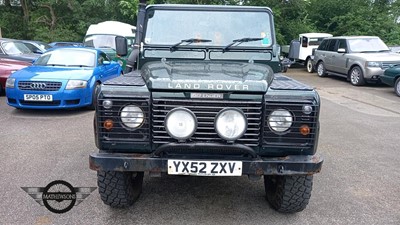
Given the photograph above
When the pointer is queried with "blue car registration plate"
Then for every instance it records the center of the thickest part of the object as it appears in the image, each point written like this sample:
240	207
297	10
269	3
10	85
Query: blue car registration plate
38	97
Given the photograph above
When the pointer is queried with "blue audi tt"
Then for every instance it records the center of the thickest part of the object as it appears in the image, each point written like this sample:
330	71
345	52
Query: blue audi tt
61	78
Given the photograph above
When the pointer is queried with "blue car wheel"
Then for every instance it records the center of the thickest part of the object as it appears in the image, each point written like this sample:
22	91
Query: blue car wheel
94	95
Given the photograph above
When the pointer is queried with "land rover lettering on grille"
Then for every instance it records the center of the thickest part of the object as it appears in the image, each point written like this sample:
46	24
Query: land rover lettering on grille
199	105
196	86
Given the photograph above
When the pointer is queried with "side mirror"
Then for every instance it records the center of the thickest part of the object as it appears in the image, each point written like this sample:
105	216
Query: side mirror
341	50
121	45
106	62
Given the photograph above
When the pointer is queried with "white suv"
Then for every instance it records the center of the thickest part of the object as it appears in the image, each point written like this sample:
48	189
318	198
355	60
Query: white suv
358	58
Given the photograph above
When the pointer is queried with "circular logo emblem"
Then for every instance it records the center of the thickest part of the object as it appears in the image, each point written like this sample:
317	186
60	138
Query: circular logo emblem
59	196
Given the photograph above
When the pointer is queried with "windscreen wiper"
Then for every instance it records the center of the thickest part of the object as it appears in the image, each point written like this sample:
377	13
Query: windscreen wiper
239	41
78	65
54	64
368	51
189	41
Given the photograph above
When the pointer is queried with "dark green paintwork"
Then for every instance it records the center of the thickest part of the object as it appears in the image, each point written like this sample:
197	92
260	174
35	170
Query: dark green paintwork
390	75
207	76
177	78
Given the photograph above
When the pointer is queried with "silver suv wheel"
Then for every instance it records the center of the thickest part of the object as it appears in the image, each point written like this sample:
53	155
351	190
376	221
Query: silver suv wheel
356	76
321	69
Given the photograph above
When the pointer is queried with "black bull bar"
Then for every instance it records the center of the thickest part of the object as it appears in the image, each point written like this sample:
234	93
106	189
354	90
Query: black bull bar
253	165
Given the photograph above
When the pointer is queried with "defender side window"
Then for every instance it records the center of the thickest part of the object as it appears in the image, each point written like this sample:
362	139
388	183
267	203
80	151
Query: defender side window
304	42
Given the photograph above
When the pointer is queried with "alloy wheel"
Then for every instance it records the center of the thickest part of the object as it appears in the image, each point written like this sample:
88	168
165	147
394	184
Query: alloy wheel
355	76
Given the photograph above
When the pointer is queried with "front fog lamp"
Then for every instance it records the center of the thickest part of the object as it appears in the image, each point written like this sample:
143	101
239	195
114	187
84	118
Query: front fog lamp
280	120
230	124
180	123
132	116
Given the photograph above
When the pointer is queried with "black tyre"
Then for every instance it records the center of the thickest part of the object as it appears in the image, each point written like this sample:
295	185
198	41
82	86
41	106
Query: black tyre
119	189
94	96
356	76
397	87
288	194
321	71
284	69
1	91
309	66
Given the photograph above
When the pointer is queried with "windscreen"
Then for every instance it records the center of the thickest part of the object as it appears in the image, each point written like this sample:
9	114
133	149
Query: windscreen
67	57
100	41
104	41
15	48
367	45
168	27
316	41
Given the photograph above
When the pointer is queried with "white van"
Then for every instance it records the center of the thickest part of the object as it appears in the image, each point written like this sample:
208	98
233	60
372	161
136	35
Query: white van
300	51
102	36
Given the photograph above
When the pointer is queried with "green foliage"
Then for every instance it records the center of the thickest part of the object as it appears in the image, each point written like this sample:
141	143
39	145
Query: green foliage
55	20
11	19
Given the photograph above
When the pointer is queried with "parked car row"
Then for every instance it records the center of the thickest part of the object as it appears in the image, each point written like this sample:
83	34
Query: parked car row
360	59
7	67
67	77
17	50
36	75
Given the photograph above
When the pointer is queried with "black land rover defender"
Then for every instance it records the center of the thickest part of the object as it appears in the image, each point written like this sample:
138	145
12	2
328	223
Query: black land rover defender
205	98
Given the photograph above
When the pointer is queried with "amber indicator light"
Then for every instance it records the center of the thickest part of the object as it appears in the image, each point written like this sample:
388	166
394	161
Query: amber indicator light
305	130
108	124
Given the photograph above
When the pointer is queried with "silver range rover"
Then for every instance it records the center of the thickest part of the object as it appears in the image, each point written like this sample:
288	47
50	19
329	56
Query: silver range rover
358	58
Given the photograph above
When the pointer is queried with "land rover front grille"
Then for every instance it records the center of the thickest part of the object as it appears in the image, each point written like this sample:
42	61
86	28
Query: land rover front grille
386	65
206	111
120	133
39	85
291	138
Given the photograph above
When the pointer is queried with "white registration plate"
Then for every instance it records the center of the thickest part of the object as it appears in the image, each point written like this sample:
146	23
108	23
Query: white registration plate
38	98
204	168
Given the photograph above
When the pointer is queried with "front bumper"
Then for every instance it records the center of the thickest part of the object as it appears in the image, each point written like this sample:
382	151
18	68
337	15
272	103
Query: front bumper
289	165
373	73
61	99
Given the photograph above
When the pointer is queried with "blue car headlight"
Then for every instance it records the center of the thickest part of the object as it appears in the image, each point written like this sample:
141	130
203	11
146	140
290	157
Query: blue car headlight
76	84
10	83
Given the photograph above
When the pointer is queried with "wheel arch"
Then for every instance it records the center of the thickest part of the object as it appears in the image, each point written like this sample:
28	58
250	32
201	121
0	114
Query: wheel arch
319	61
354	65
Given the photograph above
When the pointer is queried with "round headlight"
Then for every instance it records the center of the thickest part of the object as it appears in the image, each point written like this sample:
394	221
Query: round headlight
180	123
280	120
230	124
132	116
